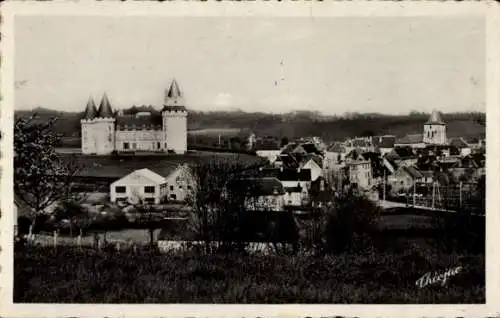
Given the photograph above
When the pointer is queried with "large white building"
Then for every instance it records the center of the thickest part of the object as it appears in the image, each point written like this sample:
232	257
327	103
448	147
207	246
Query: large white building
165	130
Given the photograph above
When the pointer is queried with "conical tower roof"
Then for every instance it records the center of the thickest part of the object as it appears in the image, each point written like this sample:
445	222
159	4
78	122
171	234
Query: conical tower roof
174	98
435	119
174	91
105	110
90	110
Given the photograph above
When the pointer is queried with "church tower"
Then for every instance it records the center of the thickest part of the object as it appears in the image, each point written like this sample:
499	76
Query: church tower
104	128
435	130
174	120
87	123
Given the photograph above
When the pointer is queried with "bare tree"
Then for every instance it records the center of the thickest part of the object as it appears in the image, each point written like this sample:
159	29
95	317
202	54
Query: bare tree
218	213
41	176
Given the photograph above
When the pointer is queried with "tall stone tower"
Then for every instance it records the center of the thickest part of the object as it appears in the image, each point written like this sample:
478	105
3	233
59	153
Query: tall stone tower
174	115
88	139
435	130
104	128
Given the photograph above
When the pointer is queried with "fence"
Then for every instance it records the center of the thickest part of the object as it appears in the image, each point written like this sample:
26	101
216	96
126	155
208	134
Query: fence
460	196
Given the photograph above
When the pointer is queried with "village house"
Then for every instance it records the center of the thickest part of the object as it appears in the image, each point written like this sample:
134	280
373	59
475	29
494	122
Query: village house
460	143
154	188
383	144
268	148
296	183
261	194
403	156
414	141
404	178
142	184
359	170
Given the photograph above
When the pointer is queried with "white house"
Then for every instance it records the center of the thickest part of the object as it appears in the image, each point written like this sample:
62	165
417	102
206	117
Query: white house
261	194
360	172
104	131
180	184
140	184
316	170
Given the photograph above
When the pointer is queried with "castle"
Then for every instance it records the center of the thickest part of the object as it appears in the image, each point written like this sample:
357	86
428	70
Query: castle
165	130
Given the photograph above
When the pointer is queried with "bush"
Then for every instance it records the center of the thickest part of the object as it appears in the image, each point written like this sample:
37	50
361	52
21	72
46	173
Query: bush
350	223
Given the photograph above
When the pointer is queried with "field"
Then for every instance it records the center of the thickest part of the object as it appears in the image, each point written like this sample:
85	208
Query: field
69	275
384	271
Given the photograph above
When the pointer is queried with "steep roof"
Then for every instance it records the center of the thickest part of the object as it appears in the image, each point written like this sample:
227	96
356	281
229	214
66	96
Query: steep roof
257	186
174	98
413	172
174	91
90	110
290	147
153	121
386	141
460	143
435	119
146	173
311	156
337	147
410	139
404	152
310	148
105	110
287	174
267	144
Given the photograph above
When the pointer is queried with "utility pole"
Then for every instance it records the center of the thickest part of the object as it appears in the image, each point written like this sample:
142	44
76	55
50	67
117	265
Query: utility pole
383	193
460	194
414	192
433	193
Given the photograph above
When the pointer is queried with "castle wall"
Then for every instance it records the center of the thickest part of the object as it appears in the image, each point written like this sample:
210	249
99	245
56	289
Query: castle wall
175	130
88	138
104	135
139	140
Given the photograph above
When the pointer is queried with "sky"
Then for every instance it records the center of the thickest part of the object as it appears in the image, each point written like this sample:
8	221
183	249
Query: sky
332	65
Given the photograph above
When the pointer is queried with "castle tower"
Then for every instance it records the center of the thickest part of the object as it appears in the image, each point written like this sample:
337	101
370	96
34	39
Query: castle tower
435	130
174	115
104	128
88	144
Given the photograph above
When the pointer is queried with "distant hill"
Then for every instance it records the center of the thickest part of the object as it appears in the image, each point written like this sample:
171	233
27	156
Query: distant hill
299	124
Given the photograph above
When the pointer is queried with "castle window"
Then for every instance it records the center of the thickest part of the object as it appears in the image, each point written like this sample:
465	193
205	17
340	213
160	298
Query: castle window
134	145
126	145
158	145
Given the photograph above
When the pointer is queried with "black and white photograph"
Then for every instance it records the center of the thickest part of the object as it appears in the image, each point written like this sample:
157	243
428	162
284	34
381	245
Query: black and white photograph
237	158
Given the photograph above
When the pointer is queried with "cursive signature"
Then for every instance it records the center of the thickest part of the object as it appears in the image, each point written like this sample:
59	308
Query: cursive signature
436	277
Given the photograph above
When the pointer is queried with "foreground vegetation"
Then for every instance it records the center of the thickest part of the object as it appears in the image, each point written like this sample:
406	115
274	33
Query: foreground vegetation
372	276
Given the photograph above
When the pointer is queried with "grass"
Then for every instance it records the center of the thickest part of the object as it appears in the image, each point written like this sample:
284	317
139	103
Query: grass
72	276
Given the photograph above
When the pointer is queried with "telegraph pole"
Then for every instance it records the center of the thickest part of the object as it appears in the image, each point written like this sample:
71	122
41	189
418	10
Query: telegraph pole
383	192
414	192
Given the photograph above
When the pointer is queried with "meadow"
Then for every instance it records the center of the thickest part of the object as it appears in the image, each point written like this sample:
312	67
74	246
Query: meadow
383	271
69	275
